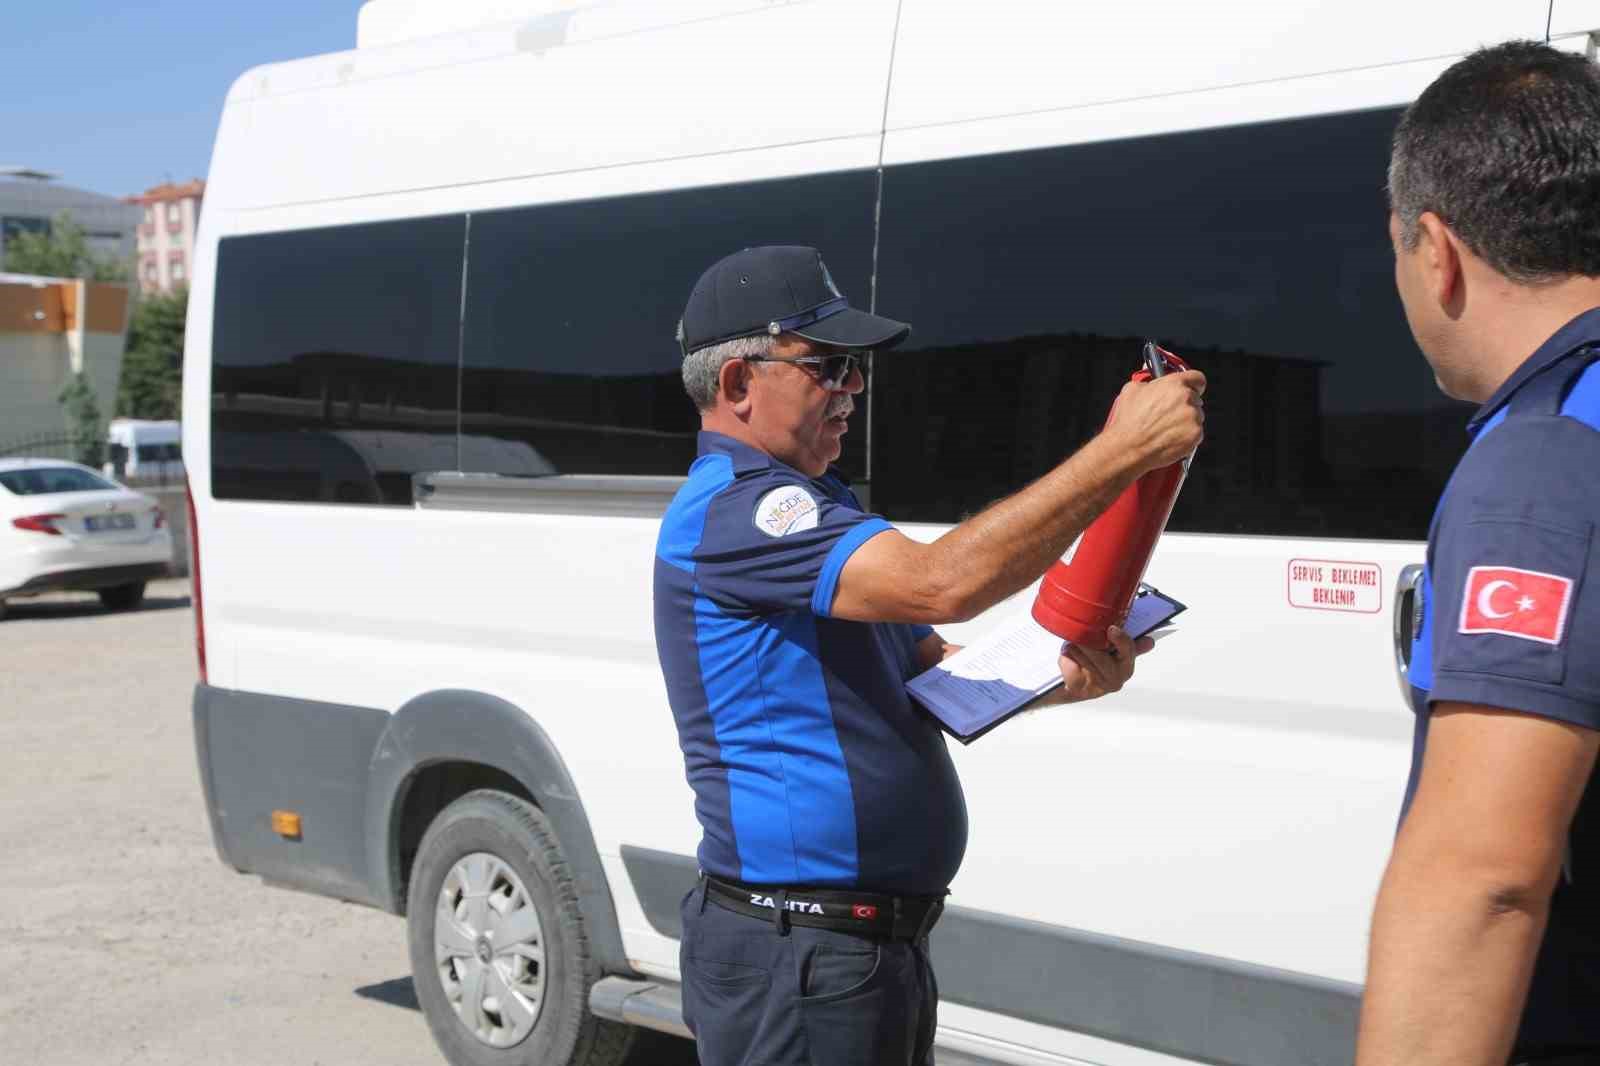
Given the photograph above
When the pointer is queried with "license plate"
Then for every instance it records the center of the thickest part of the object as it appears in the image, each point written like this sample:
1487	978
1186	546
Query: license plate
106	522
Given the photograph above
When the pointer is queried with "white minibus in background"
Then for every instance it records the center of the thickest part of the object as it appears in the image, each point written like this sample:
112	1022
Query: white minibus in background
144	451
432	417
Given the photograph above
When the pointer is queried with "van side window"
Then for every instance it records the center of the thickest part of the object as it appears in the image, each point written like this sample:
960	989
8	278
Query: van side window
570	362
1260	252
335	361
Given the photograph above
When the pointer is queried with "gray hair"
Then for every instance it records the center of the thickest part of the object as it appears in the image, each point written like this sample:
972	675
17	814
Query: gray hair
1504	147
703	367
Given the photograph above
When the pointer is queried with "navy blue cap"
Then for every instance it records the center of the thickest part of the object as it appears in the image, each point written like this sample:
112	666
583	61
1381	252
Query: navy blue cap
778	289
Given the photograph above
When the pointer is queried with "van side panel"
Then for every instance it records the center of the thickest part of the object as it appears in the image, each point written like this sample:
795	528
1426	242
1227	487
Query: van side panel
545	608
346	771
463	726
1167	1000
265	753
609	86
1067	56
1233	805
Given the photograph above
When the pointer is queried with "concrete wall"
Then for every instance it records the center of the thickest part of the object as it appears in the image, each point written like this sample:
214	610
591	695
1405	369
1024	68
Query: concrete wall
31	366
50	329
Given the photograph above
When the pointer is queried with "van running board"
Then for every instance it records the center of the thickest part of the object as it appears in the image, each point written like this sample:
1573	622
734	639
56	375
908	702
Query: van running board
649	1004
658	1005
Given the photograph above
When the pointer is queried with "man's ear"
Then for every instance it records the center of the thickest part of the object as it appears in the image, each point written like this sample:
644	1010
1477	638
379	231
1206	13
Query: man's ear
733	384
1440	251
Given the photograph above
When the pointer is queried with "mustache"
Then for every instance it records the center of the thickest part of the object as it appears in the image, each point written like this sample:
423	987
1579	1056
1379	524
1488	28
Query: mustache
840	408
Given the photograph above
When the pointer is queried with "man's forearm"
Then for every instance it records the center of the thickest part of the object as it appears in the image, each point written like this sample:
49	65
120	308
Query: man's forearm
1010	543
1451	959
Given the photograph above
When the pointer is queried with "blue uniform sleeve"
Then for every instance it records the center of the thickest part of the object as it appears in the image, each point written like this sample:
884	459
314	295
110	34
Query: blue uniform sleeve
776	543
1516	613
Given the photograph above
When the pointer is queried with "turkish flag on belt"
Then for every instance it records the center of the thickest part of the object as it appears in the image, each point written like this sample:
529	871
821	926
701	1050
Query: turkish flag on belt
1516	603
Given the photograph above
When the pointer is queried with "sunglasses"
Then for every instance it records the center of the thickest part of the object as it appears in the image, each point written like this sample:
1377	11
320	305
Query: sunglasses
831	371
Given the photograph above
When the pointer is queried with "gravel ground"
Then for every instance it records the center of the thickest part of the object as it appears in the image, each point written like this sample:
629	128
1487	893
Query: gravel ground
123	938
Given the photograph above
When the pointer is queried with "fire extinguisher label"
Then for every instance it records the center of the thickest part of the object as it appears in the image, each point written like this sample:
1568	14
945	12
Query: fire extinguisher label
786	510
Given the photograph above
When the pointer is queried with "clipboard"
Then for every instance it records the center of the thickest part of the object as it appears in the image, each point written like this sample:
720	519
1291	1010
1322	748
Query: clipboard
1001	673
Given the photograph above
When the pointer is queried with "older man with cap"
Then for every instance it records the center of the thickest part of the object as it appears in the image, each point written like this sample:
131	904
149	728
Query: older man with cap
787	621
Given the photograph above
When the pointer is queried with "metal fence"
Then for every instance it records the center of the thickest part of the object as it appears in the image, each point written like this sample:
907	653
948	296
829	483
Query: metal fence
70	446
160	465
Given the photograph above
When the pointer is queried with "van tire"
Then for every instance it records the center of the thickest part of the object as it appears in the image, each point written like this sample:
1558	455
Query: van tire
519	835
123	597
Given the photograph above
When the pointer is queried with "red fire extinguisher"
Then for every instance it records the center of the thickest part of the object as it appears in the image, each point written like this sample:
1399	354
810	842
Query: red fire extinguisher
1093	587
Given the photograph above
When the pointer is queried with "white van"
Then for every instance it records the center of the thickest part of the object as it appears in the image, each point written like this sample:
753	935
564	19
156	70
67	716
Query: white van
482	224
144	451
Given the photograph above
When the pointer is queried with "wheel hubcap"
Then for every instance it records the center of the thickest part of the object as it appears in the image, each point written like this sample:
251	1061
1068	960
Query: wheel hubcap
489	947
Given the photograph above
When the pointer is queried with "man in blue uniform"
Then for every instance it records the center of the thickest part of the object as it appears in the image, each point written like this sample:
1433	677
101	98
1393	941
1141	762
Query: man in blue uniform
787	621
1486	936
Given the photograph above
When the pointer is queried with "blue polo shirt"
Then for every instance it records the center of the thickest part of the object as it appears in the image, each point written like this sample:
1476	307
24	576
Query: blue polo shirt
1511	619
809	764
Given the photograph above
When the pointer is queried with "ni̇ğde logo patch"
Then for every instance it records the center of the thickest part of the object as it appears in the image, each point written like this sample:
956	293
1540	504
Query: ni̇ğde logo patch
786	510
1516	603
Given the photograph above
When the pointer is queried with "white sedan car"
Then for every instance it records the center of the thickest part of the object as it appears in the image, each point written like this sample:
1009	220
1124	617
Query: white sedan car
63	526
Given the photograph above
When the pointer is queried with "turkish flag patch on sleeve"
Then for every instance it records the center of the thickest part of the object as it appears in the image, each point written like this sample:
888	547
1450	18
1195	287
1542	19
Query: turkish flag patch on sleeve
1516	603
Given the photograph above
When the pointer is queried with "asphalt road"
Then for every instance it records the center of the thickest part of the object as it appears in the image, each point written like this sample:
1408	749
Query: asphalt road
123	938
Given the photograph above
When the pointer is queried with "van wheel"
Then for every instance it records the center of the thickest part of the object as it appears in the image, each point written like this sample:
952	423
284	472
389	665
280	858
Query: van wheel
123	597
499	954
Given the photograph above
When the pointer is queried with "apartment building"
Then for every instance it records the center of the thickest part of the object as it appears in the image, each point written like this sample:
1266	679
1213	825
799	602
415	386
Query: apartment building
166	234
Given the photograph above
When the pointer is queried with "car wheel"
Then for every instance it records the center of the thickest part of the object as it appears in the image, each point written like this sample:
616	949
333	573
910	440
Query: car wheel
123	597
499	953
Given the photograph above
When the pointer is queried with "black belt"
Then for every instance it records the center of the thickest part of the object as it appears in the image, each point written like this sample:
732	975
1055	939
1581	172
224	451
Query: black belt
841	910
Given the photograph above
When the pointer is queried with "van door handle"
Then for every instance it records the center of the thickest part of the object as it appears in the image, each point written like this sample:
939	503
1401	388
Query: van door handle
1407	620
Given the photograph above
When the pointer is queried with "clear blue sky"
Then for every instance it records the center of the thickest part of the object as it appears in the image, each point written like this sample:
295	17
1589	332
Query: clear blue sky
118	97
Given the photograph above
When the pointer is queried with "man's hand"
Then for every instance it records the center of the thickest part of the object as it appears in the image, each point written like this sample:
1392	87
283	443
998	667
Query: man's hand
932	650
997	552
1088	674
1160	421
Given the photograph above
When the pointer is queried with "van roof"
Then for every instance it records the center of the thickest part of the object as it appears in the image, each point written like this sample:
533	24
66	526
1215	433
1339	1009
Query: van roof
385	22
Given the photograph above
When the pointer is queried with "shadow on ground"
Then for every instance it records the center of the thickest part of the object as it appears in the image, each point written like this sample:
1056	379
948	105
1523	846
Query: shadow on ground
397	993
653	1049
57	608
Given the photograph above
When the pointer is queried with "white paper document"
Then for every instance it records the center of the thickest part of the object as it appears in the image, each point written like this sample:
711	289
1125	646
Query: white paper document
998	674
990	678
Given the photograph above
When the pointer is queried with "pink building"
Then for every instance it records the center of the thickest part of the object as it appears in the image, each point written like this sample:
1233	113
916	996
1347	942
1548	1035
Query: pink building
166	235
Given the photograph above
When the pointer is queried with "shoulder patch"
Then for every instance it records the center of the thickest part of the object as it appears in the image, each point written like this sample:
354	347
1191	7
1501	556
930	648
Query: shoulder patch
786	510
1516	603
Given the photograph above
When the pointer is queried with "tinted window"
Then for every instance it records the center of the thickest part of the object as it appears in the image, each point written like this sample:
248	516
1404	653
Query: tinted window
1261	253
336	361
42	480
570	361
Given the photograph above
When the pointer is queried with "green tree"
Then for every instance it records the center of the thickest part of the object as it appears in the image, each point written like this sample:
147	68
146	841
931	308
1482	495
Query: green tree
152	369
62	251
83	413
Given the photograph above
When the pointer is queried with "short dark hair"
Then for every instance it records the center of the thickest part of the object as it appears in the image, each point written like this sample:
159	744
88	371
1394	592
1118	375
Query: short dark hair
1505	148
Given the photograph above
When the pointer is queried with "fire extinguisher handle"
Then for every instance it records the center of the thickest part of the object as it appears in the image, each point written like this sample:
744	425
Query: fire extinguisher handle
1154	361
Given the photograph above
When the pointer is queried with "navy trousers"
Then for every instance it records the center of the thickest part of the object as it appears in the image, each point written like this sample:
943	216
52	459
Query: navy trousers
755	994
